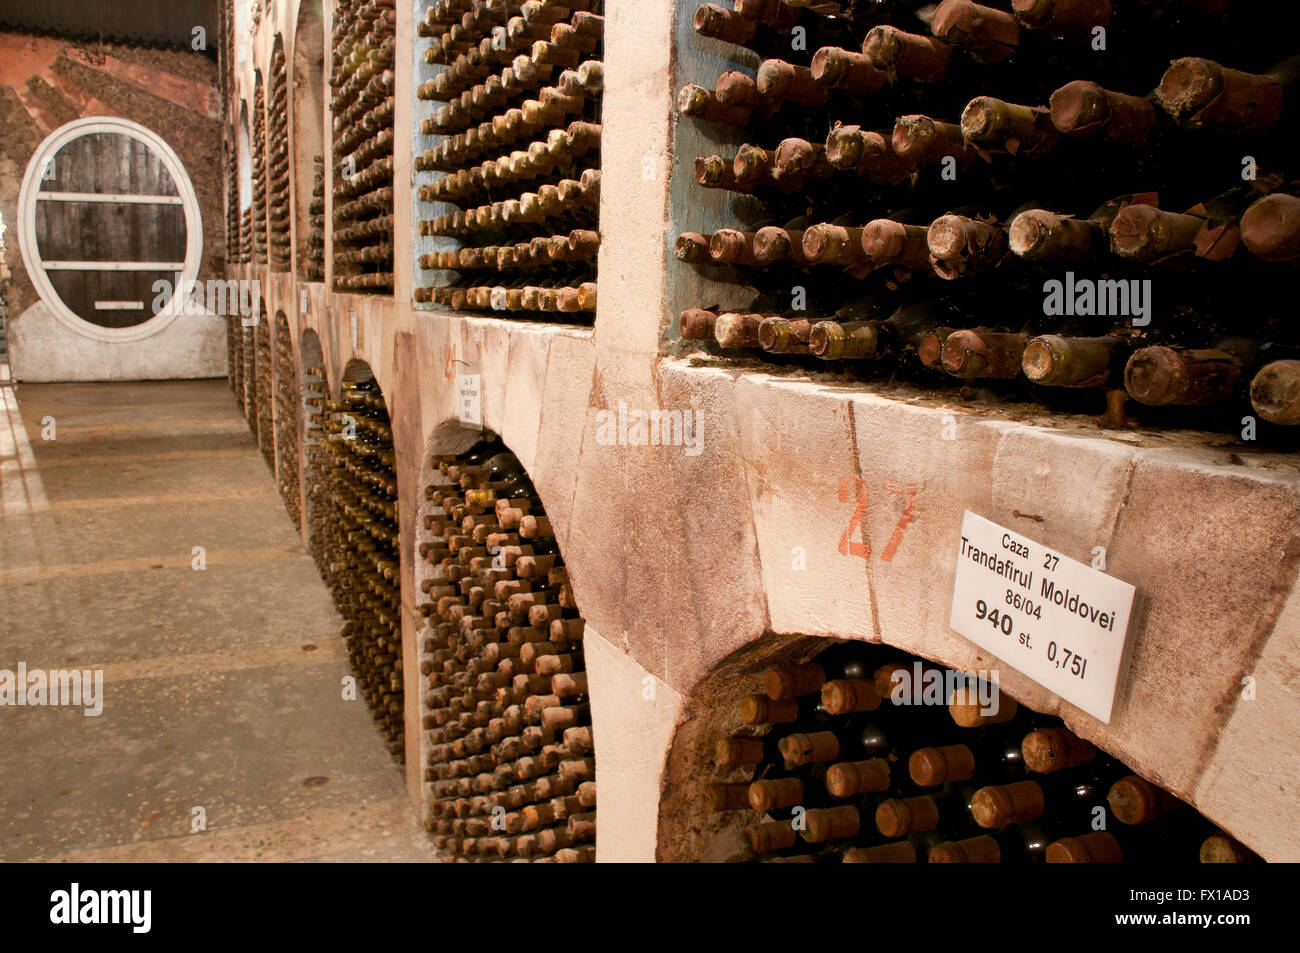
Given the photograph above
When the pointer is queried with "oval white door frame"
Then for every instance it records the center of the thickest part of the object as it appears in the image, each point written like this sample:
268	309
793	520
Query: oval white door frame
27	243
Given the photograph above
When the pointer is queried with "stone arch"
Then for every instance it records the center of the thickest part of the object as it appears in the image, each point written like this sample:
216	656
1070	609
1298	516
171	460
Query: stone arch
361	550
307	126
263	386
315	392
707	810
516	670
288	421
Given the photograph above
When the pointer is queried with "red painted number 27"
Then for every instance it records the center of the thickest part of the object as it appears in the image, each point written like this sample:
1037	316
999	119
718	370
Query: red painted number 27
855	488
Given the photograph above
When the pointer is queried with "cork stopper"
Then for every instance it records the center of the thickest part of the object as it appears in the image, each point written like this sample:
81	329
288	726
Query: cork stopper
900	816
884	676
851	778
728	797
1134	800
966	710
769	795
831	823
999	805
972	850
1275	392
930	767
1271	228
771	836
761	710
900	852
1099	847
730	752
1051	749
843	696
802	749
783	683
1222	849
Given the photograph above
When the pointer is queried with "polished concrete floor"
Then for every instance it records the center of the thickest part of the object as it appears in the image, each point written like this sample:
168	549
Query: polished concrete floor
222	687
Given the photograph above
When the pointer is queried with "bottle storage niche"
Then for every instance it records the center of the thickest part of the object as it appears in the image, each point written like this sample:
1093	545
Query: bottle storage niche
245	237
315	453
286	420
232	208
262	385
314	270
508	158
249	401
359	535
510	768
819	764
278	160
259	172
1023	205
361	80
234	359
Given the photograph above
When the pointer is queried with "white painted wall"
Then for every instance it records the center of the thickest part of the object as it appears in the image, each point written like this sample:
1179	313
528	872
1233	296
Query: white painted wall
42	349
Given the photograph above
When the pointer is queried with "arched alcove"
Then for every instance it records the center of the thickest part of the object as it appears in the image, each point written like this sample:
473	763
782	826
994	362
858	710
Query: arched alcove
315	392
249	375
259	171
263	384
308	111
288	430
245	188
235	354
362	564
819	750
507	746
277	160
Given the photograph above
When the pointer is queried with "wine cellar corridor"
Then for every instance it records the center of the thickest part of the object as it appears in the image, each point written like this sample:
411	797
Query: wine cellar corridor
839	431
224	667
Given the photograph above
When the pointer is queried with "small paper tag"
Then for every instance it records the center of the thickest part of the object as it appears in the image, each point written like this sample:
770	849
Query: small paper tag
1062	623
468	403
356	330
302	301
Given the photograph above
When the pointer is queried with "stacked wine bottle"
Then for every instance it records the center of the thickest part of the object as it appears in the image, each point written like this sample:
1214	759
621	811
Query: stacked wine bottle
245	237
262	391
517	125
361	550
278	161
1044	200
314	252
362	107
836	770
286	420
315	455
249	402
234	359
259	174
510	765
232	206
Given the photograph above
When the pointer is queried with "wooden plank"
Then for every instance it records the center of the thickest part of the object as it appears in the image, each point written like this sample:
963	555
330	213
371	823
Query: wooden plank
113	265
113	197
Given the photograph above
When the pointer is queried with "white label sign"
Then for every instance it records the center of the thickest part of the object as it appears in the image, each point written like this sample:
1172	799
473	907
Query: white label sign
468	407
302	302
352	317
1058	621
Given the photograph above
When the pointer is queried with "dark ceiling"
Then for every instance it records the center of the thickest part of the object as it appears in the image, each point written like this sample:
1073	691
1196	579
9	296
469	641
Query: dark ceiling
167	23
